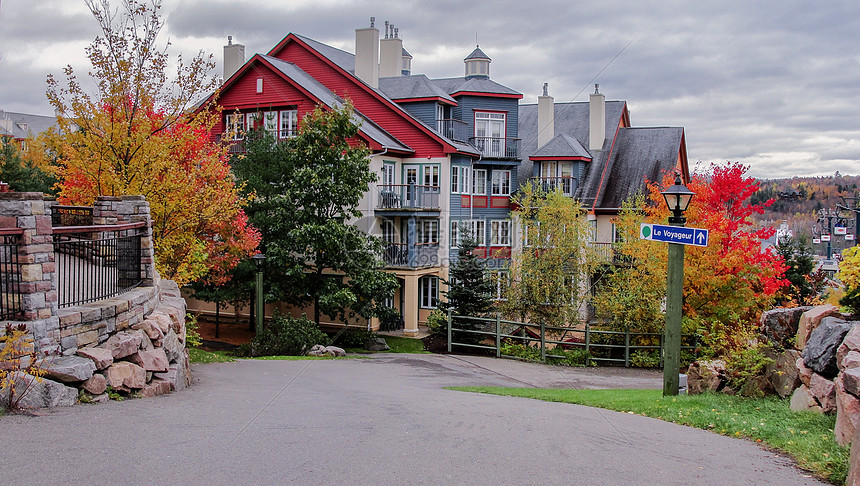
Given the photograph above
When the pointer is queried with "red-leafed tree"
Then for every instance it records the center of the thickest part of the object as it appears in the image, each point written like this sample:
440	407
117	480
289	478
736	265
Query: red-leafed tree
726	284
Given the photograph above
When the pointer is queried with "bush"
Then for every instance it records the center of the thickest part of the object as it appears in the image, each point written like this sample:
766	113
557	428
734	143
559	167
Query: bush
284	336
353	338
851	299
437	323
192	334
645	359
746	364
525	352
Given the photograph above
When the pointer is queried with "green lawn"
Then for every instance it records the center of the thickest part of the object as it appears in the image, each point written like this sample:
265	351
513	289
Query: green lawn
197	355
397	345
806	436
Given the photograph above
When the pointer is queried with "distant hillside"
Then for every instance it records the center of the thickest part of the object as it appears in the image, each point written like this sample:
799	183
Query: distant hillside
799	200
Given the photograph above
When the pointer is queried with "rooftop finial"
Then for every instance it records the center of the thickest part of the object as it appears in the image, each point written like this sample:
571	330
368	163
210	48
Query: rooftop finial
372	22
229	40
386	29
595	88
545	85
396	32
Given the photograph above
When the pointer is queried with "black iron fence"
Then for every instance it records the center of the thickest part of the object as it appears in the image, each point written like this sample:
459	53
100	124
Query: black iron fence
71	216
10	274
97	262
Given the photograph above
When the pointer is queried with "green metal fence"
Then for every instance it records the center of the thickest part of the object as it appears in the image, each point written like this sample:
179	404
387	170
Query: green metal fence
600	346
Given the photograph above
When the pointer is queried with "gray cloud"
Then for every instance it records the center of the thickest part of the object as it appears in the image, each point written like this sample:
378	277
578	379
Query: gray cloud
773	84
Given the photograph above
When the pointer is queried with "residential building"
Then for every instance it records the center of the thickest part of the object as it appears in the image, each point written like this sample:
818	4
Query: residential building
17	127
449	153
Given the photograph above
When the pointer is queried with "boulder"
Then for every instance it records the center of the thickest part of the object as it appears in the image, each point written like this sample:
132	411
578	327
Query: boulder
803	372
40	392
125	376
851	342
851	381
824	391
779	326
152	331
95	385
68	369
100	398
783	374
376	344
178	375
317	350
847	414
811	319
172	347
154	360
803	401
820	351
123	344
145	342
705	376
154	388
101	357
335	351
161	321
849	361
757	386
320	350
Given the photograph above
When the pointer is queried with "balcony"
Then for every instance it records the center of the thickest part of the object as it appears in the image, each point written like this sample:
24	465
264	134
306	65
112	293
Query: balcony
418	255
453	129
408	197
497	148
567	185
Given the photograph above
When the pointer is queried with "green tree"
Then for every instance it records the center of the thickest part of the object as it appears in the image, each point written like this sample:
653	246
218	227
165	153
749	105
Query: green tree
306	194
798	258
21	174
549	278
470	289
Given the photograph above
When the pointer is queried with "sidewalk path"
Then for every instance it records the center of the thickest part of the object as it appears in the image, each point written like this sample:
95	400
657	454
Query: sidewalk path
380	421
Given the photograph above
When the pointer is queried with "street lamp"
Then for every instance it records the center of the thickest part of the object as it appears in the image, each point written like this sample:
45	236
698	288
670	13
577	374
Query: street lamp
259	258
677	198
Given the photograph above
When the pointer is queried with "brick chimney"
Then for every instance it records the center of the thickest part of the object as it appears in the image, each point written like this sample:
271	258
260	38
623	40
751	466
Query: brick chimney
367	54
596	119
546	118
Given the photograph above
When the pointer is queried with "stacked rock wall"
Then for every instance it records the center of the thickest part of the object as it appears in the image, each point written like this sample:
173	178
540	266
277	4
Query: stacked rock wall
133	342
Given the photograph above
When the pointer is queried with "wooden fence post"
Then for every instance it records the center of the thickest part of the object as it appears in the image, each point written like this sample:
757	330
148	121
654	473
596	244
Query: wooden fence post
542	341
449	330
498	337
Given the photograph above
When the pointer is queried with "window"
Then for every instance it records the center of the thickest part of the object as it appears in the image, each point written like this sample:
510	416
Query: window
455	234
431	175
388	234
592	229
428	232
490	133
428	290
501	183
289	123
500	233
479	232
440	116
270	122
235	125
479	182
252	120
388	176
460	179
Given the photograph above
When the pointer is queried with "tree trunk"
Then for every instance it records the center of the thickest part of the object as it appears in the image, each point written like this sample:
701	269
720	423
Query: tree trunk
217	319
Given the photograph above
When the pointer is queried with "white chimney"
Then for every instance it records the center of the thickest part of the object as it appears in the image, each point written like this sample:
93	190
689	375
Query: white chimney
596	119
546	118
367	54
234	57
390	53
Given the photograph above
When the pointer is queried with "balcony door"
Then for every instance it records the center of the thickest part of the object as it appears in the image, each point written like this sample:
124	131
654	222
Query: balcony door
490	133
558	175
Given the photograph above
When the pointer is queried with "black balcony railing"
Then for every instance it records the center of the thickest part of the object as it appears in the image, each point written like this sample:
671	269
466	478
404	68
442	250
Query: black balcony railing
453	129
97	262
567	185
407	196
71	216
496	148
419	255
10	274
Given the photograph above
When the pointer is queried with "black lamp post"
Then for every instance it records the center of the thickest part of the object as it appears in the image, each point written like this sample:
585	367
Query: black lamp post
677	198
259	258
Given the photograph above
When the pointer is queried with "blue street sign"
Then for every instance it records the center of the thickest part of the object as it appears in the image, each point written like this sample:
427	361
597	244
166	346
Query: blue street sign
674	234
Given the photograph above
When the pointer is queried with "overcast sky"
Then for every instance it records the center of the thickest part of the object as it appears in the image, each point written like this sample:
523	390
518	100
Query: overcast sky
773	84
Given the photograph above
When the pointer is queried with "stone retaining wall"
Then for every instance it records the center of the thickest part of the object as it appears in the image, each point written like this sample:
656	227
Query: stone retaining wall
133	342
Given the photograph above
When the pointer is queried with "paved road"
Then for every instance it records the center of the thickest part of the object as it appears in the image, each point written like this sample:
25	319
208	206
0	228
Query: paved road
381	421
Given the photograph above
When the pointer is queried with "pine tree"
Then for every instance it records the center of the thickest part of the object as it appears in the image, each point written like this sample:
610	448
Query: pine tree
469	288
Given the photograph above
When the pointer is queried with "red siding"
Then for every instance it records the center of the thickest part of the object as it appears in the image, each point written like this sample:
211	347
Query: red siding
390	119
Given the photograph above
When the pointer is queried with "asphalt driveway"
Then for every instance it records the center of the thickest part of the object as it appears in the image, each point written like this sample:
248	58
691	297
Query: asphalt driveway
380	421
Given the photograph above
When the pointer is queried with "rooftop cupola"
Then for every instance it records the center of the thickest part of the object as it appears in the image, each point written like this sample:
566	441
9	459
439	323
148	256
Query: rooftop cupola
477	64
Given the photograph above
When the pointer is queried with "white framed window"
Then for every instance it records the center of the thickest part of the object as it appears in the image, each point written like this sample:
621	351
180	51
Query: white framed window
236	125
388	176
456	235
460	179
592	229
479	232
479	182
501	183
428	232
252	120
500	233
289	123
270	122
440	116
431	175
490	133
428	291
388	234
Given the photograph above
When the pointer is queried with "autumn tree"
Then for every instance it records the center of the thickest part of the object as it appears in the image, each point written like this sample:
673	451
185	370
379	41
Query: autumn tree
849	274
307	190
138	134
726	284
550	277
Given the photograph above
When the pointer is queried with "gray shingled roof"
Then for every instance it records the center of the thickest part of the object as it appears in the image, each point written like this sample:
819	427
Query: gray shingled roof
414	86
367	126
477	54
562	145
478	85
344	59
21	125
640	153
